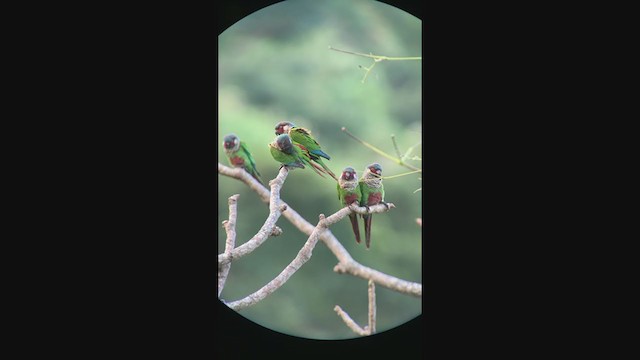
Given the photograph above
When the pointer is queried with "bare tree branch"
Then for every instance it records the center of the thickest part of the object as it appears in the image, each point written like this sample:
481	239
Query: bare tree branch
303	256
346	263
245	177
275	210
372	307
369	329
230	228
349	321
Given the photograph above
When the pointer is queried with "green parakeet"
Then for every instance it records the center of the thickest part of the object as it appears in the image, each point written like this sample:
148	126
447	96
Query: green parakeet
290	154
239	156
372	193
349	192
303	137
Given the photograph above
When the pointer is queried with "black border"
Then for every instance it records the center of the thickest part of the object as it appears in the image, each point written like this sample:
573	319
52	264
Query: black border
120	106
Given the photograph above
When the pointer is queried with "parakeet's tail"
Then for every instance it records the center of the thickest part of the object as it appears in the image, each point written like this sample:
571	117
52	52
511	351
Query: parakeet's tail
317	168
321	153
326	168
354	225
367	229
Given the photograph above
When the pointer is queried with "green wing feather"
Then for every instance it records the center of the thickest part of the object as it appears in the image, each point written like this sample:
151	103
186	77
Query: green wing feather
303	136
245	150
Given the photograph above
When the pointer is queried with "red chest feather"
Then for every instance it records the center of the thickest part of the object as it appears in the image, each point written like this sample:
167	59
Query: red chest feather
374	198
237	161
349	198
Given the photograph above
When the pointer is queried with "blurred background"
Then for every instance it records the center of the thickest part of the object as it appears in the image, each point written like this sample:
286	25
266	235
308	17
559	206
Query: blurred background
275	65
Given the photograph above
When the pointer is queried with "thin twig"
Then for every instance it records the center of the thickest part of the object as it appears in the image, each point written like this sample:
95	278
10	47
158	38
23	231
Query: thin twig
364	78
395	146
390	157
377	57
230	228
371	327
399	175
275	210
346	263
409	150
349	321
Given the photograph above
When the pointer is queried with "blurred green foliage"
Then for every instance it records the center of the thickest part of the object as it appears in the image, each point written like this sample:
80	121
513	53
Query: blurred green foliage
275	65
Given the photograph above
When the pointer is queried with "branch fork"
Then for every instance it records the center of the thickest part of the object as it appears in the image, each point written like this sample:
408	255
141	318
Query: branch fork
368	329
346	264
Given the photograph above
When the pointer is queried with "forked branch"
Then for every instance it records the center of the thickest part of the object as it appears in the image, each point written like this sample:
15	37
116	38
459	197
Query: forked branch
346	263
267	229
303	256
371	327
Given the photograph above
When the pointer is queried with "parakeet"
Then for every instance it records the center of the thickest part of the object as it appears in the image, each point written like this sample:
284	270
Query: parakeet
349	192
372	193
303	137
291	154
239	156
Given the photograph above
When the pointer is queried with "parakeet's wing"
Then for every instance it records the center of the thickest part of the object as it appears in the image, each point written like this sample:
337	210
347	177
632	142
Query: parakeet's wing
245	150
340	193
304	136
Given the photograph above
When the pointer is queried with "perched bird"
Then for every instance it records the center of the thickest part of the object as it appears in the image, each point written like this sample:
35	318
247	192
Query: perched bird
239	156
348	193
303	137
290	154
372	193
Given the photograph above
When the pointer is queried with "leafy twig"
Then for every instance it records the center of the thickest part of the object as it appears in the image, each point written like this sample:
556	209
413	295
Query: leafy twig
399	175
395	146
397	160
376	59
409	150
